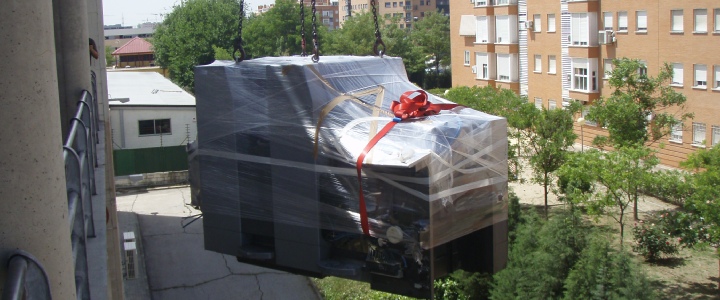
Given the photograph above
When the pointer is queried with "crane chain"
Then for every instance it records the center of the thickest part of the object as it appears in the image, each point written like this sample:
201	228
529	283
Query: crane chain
378	37
316	50
238	44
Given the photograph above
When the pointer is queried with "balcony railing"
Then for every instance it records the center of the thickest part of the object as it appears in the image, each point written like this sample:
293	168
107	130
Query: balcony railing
26	278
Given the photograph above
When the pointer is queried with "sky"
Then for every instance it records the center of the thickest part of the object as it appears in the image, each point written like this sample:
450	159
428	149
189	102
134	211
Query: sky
134	12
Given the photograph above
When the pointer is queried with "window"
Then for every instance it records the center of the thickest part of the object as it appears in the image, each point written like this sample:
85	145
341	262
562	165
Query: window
716	82
676	17
537	25
387	4
551	23
485	66
507	67
622	21
566	103
484	29
584	72
717	20
608	20
677	78
715	135
394	4
505	2
552	104
538	63
676	134
698	134
607	68
477	2
580	29
700	76
467	57
506	29
642	70
149	127
700	20
552	64
538	103
641	20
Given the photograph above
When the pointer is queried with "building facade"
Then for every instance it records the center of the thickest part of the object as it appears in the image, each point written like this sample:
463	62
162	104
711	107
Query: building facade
406	11
118	35
135	53
553	52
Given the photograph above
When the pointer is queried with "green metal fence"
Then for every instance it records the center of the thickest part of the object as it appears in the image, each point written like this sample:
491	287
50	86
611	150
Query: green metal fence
150	160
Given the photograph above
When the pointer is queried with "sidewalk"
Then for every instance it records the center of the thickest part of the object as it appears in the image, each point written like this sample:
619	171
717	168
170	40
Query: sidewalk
178	267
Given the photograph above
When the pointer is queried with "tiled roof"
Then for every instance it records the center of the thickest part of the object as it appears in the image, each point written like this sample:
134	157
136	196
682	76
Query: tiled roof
135	46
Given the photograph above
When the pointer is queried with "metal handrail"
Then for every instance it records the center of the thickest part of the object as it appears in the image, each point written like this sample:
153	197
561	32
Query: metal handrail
26	278
80	156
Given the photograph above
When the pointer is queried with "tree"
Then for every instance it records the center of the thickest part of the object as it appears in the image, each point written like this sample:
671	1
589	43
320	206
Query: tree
700	222
620	173
277	32
188	34
547	140
641	108
432	37
109	58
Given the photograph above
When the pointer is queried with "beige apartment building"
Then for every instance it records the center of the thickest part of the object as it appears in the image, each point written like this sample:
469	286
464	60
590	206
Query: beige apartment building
553	51
407	11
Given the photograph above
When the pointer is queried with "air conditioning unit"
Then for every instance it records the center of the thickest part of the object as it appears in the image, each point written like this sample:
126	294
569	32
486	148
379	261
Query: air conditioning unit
474	69
529	25
605	37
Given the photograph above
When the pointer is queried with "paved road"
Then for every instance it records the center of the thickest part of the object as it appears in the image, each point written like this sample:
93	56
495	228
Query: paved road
177	266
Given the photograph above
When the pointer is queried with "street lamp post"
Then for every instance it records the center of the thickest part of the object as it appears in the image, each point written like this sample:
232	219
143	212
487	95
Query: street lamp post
581	122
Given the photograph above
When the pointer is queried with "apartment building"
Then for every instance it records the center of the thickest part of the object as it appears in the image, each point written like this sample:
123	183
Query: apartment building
407	11
328	12
553	51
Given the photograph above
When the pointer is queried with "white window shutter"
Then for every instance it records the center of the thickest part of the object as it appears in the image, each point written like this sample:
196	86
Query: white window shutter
677	20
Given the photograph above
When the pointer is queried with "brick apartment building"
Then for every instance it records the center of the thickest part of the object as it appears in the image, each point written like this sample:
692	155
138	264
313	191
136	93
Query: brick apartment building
554	51
408	11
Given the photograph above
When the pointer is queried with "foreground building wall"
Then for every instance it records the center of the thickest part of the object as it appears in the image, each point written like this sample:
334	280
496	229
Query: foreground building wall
569	47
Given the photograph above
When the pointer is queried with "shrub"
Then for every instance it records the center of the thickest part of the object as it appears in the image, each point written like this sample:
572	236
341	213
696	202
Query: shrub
655	240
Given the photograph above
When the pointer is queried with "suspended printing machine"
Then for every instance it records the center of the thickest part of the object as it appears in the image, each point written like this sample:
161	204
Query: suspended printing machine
344	168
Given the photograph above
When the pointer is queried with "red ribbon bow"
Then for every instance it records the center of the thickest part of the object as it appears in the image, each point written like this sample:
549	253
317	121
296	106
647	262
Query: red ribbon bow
408	107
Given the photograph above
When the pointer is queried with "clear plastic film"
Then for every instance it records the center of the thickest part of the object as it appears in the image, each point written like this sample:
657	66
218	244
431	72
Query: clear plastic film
278	139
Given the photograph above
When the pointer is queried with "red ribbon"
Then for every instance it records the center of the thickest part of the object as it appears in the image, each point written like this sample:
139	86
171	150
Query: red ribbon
412	104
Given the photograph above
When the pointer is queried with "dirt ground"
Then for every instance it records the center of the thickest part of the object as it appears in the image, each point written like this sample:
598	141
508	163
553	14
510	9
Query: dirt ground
692	274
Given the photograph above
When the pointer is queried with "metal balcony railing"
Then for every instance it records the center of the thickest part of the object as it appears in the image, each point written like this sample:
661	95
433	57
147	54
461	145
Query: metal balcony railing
26	278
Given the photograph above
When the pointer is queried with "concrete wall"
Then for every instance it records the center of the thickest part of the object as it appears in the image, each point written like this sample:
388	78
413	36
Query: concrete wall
126	136
151	180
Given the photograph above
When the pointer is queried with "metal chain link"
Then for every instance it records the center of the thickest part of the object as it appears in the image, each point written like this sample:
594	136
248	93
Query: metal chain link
378	38
316	51
238	44
302	28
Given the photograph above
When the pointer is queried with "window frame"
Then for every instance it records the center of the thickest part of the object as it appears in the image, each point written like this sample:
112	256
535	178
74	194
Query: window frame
537	63
551	26
155	127
538	103
696	72
584	113
639	16
699	139
537	23
552	104
552	64
716	77
676	133
696	24
607	70
673	23
714	135
622	15
578	32
716	19
467	58
675	76
605	19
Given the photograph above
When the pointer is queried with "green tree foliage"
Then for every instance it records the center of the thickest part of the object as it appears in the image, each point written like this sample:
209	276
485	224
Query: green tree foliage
620	173
431	35
188	34
546	141
277	32
603	273
641	108
109	58
540	258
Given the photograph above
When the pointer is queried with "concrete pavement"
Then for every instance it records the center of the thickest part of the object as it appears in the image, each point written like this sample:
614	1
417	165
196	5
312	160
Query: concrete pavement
178	267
